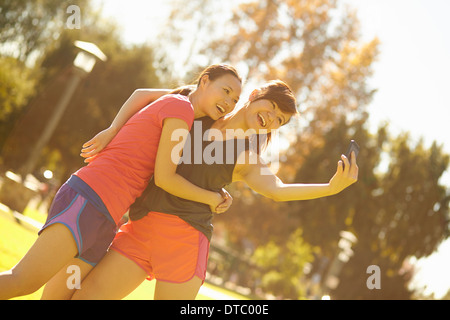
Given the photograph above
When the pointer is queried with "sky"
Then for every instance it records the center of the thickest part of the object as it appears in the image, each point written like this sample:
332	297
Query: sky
412	76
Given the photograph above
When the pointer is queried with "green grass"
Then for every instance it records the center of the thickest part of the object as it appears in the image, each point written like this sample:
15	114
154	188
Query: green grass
35	214
15	240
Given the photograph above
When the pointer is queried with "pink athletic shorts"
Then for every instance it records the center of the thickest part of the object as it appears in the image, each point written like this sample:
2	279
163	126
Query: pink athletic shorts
166	247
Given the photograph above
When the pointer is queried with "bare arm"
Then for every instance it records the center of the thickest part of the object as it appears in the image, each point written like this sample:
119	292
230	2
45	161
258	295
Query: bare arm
138	100
167	159
269	185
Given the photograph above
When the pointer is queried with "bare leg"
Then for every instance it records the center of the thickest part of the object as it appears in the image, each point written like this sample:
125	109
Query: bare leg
178	291
57	288
113	278
51	251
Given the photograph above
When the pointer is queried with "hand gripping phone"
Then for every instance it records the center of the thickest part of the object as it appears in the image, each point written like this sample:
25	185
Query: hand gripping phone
352	147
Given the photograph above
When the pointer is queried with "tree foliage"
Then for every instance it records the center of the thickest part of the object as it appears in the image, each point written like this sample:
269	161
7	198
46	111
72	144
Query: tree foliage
281	265
16	85
94	104
27	27
397	209
27	31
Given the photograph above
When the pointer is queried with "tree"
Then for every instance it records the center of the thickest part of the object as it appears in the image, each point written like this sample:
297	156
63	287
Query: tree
317	50
395	214
31	24
190	27
94	104
27	27
281	266
27	30
16	86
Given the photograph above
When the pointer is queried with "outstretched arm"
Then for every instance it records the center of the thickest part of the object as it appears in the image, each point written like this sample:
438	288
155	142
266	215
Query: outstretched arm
138	100
258	178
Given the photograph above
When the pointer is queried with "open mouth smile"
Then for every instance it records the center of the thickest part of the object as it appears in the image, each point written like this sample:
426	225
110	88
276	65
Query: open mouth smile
221	110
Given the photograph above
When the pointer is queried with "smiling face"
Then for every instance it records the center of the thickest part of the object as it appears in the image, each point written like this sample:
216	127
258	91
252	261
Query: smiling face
220	95
265	114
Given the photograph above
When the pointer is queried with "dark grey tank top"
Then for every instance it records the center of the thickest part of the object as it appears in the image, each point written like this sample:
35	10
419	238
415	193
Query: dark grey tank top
211	170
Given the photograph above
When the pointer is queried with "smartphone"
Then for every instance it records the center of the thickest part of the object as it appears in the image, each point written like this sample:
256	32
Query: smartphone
352	147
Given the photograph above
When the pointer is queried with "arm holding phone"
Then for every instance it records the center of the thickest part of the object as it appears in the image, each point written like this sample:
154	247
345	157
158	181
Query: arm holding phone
270	186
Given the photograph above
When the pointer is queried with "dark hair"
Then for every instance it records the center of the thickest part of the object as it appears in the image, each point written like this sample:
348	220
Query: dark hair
276	90
280	93
184	90
214	72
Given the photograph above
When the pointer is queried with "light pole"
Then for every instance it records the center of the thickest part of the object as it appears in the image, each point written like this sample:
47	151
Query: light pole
83	64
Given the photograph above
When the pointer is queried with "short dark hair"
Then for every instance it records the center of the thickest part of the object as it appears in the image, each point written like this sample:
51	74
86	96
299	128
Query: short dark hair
280	93
214	72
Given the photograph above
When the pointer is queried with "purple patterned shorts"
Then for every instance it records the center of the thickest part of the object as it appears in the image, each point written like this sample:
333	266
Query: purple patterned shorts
92	230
